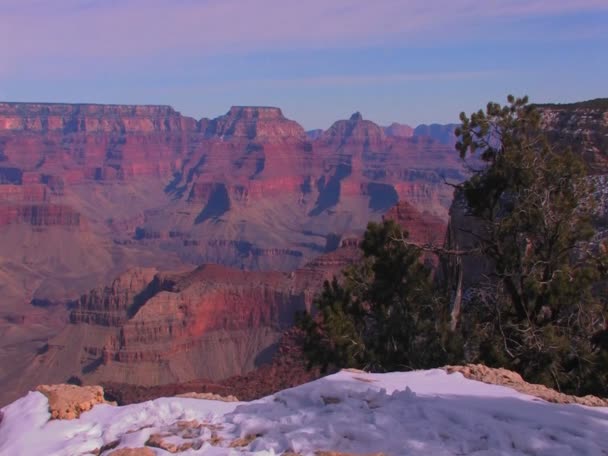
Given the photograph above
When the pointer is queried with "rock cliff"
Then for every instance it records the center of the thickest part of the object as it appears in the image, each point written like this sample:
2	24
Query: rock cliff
247	189
399	130
152	328
443	133
88	192
583	127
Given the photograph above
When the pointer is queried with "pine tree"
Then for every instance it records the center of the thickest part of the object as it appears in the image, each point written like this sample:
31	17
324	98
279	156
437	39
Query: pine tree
534	206
383	315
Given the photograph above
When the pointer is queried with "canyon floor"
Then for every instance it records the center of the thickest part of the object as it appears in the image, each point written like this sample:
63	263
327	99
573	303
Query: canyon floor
349	413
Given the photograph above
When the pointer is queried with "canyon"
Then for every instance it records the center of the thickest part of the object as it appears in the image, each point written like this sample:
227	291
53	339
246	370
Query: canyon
150	328
109	215
142	247
123	185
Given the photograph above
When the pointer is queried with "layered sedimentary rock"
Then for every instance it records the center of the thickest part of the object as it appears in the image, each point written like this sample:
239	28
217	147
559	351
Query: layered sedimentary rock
39	215
423	228
99	142
254	192
399	130
154	328
88	192
287	369
248	189
151	328
250	122
77	171
443	133
582	127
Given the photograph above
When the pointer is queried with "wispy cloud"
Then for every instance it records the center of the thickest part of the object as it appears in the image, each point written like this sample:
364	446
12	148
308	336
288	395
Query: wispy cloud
33	28
372	79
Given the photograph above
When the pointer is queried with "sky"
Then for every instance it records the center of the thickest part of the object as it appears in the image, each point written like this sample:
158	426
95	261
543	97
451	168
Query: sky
407	61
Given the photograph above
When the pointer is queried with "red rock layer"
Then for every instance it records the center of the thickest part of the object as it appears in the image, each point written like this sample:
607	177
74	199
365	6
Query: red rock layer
422	227
210	168
287	370
583	127
261	123
99	142
110	305
145	325
128	186
39	215
399	130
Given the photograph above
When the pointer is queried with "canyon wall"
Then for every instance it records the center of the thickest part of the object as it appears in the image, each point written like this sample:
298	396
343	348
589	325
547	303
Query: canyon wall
249	189
583	127
154	328
89	192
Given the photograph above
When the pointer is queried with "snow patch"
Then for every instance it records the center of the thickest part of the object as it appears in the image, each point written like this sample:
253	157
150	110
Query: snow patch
423	412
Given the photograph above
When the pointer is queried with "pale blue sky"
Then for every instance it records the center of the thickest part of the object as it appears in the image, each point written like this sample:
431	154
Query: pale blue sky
411	61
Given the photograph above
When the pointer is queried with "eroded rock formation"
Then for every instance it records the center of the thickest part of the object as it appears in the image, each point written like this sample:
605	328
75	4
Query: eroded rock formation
88	192
248	189
151	328
583	127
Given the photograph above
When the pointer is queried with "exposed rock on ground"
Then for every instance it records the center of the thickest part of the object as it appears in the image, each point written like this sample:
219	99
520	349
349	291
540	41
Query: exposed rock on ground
208	397
132	452
420	412
332	453
336	453
67	402
505	377
192	435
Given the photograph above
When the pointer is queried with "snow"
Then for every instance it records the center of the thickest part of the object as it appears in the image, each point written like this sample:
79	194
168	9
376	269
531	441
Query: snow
423	412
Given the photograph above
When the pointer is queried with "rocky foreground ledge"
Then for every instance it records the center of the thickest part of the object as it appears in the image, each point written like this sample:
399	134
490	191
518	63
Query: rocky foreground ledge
505	377
435	412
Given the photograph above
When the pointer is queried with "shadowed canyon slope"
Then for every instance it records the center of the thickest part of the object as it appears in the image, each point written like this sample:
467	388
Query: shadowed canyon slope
151	328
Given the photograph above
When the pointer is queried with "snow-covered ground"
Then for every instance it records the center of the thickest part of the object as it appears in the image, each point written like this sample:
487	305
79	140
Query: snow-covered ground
415	413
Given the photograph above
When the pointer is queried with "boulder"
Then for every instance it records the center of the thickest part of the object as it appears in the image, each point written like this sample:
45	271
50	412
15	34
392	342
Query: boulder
132	452
67	402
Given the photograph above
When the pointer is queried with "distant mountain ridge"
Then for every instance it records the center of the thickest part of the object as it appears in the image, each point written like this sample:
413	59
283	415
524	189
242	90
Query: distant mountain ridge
443	133
596	103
